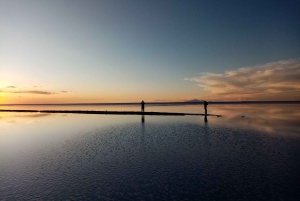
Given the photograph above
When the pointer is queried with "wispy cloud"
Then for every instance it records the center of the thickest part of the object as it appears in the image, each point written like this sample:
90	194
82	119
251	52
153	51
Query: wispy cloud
67	92
32	92
276	80
161	100
11	87
40	92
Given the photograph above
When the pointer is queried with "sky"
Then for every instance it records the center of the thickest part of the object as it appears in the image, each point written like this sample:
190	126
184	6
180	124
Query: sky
90	51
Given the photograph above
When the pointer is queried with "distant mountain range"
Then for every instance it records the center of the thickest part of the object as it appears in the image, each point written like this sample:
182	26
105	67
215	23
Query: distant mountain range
194	101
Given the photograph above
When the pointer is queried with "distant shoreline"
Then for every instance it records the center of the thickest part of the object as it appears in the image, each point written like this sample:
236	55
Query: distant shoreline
113	112
160	103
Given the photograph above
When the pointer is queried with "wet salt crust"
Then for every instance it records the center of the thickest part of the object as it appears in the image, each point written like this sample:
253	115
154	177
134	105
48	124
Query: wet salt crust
181	161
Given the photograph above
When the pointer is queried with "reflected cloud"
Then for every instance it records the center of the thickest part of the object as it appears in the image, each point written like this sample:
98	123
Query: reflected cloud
271	81
273	119
12	121
38	115
10	117
25	115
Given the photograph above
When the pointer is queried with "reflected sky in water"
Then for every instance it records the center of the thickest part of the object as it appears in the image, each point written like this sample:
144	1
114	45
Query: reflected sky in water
251	152
21	130
274	119
282	119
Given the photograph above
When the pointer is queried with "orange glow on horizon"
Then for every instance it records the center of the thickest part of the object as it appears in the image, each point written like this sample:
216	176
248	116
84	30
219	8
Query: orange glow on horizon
61	99
94	97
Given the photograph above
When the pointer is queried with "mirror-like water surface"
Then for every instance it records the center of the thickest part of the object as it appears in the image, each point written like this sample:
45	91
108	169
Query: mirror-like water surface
251	153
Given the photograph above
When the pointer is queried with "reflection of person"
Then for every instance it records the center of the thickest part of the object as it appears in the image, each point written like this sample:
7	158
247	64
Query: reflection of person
143	106
143	119
205	107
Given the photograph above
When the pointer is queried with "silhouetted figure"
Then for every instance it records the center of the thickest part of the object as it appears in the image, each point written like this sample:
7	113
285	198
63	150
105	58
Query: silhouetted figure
143	106
205	107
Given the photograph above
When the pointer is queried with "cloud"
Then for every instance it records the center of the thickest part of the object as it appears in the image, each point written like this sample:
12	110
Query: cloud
67	91
161	100
32	92
271	81
12	87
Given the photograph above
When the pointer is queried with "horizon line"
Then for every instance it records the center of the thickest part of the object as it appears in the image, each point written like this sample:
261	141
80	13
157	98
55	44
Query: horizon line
171	102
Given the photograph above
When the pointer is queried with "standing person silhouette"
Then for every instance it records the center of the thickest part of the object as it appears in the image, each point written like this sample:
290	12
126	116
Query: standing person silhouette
143	106
205	107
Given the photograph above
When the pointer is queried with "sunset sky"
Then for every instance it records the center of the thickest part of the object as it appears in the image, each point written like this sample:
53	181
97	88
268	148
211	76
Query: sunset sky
71	51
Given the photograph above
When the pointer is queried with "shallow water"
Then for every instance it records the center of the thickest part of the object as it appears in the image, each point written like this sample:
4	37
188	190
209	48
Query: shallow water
112	157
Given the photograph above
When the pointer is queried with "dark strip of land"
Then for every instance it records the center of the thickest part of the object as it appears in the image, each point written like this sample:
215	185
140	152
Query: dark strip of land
110	112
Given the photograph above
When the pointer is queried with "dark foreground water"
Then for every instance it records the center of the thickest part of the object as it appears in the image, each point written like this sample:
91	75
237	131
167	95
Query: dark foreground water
99	157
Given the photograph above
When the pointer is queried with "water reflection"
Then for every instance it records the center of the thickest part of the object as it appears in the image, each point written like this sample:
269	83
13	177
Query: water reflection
22	115
279	118
12	117
274	118
117	157
205	119
143	118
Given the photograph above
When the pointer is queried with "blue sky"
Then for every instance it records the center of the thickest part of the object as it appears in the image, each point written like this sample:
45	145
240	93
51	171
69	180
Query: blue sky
123	51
